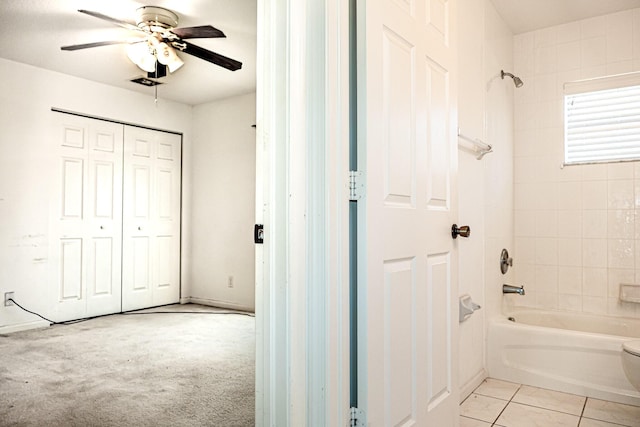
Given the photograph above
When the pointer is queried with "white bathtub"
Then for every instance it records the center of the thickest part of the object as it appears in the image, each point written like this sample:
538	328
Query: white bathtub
573	353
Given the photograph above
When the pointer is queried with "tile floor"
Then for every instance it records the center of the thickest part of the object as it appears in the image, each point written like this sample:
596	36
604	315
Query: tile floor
504	404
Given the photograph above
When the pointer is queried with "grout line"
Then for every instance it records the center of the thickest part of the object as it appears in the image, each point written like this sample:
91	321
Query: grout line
508	403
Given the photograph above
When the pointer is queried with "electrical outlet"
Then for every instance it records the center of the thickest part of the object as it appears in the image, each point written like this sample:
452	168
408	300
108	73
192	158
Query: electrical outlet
230	282
7	296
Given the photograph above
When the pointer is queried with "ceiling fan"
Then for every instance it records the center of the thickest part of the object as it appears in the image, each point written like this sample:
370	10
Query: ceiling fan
159	41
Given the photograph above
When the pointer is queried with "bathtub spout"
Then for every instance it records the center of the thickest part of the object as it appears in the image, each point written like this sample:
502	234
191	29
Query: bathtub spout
508	289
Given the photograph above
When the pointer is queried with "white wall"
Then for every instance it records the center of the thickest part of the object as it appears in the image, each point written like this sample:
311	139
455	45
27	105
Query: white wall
223	202
26	168
577	234
485	112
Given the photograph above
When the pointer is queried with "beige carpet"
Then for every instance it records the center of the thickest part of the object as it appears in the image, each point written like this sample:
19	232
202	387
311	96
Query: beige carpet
164	369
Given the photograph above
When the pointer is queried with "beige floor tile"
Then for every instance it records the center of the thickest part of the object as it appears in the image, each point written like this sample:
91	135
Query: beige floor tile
497	388
470	422
517	415
616	413
586	422
549	399
482	407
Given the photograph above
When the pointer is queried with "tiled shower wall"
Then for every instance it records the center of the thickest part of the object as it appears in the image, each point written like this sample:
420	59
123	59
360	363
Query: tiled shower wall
577	228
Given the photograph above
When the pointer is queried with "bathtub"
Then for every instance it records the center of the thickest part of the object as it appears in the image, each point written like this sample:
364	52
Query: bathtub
573	353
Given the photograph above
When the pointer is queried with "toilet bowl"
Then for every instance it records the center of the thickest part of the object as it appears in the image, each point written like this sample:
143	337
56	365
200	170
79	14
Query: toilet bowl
631	362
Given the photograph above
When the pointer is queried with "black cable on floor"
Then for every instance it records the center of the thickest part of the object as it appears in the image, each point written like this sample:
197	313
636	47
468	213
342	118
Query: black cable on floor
71	322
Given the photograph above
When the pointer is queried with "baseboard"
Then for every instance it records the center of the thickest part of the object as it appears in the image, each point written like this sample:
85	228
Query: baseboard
472	384
217	303
24	326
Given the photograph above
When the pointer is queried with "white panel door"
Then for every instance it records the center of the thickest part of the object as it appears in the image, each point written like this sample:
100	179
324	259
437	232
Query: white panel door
407	258
86	250
151	222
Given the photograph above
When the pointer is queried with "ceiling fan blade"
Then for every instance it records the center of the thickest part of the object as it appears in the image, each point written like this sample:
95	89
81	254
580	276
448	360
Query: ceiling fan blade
207	55
95	44
201	32
98	15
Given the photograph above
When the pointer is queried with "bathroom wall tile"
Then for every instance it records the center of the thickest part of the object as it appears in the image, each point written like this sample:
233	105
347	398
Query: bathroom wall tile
525	274
546	251
636	193
594	194
548	399
525	143
564	77
613	412
525	250
621	67
617	276
593	27
524	169
525	223
569	195
570	302
546	59
547	168
546	223
624	170
550	114
621	253
482	408
593	72
524	197
594	305
517	415
470	422
569	56
547	300
570	252
615	307
568	32
570	223
546	278
594	223
593	52
527	93
496	388
596	172
545	37
619	33
621	224
546	195
595	282
621	194
551	142
594	253
636	34
570	280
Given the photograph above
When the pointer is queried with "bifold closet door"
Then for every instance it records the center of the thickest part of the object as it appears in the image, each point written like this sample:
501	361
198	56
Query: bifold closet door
151	218
87	223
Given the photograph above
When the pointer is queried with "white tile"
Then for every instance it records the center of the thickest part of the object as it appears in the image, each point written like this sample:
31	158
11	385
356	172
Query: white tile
569	195
547	223
636	190
612	412
524	197
549	399
526	274
621	253
621	224
597	172
615	307
545	37
594	253
524	169
586	422
547	300
593	27
546	59
525	250
595	282
570	252
482	408
546	195
470	422
621	194
568	32
570	223
570	173
624	170
564	77
594	305
594	224
496	388
570	280
593	72
619	33
525	143
617	276
621	67
525	223
570	302
517	415
594	194
569	56
546	87
593	52
551	115
546	278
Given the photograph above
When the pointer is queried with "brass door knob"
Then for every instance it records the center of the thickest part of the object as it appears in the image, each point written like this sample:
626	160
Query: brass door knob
462	231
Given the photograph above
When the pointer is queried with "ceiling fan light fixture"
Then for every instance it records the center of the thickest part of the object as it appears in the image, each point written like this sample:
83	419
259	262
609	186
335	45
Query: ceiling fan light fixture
141	55
167	56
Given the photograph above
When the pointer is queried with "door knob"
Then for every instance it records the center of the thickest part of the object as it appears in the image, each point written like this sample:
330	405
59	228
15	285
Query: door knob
463	231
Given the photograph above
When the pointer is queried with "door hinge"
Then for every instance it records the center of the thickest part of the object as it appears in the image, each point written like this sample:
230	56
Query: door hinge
358	418
356	185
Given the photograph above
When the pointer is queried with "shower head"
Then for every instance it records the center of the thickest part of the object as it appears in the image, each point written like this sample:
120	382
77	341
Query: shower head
516	80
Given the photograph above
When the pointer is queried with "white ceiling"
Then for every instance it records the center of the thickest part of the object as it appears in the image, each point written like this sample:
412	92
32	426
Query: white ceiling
528	15
32	32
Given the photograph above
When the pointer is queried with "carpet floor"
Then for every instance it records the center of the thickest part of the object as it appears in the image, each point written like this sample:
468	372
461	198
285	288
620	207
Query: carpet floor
160	369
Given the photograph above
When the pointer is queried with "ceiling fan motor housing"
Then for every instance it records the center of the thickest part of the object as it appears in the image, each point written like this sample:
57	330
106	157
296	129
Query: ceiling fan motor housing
155	19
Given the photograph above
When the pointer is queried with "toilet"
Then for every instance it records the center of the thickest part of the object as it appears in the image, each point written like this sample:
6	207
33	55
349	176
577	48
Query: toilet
631	362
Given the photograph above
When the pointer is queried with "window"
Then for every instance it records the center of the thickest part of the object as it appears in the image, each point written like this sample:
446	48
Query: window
602	119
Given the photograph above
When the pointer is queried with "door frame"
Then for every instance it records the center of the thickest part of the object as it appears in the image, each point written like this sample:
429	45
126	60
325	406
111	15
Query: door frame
302	294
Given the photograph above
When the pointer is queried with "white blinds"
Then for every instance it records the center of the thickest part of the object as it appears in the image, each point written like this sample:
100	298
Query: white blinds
602	119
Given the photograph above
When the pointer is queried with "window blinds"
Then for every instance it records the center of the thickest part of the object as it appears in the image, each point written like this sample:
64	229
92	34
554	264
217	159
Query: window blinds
602	119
